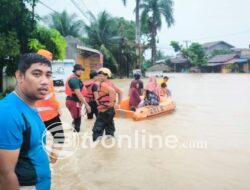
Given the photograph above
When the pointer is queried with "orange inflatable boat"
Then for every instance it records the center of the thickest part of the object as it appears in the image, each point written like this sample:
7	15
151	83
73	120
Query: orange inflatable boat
166	106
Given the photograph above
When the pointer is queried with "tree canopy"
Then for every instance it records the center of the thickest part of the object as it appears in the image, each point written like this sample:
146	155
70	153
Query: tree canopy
49	39
114	37
66	24
151	16
195	53
17	24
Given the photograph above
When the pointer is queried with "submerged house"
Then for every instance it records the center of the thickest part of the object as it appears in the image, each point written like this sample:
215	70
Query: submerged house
244	65
179	64
158	70
225	63
210	47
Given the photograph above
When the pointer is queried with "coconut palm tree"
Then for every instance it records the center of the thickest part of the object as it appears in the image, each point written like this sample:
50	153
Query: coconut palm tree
108	35
138	30
100	32
152	12
67	25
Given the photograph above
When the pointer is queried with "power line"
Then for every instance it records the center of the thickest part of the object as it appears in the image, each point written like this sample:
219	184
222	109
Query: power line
82	1
54	12
217	36
79	9
47	6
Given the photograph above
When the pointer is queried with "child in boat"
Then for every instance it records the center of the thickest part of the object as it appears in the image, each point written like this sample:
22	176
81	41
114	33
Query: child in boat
134	98
152	94
164	91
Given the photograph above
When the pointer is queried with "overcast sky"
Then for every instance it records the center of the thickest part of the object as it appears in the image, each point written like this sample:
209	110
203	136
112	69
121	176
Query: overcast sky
195	20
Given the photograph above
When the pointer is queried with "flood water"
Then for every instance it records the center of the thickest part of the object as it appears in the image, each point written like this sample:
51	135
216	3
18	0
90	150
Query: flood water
211	148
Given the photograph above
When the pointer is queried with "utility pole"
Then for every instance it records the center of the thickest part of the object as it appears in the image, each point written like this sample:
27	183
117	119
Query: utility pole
33	13
187	43
138	34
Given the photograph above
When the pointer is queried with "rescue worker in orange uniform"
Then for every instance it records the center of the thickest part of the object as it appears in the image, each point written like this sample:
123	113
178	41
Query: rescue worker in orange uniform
49	110
106	103
75	99
90	92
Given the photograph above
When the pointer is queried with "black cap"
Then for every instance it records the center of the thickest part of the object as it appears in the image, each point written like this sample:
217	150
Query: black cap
78	67
93	74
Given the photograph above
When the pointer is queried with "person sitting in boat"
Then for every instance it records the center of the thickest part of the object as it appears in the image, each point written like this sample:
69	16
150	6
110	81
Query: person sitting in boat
152	93
134	98
164	91
137	79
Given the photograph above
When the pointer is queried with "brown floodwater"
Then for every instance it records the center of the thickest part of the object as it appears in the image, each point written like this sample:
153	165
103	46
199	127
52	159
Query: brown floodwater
208	142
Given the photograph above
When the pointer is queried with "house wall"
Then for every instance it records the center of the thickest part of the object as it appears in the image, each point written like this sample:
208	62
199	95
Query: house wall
226	69
246	68
71	50
154	73
89	63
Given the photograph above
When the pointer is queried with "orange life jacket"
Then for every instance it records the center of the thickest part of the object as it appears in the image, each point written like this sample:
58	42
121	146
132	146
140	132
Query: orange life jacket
48	107
68	90
87	91
103	98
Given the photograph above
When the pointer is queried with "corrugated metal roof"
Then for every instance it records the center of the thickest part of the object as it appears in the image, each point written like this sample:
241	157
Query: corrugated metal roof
237	60
213	64
159	67
222	58
232	61
88	49
211	44
178	60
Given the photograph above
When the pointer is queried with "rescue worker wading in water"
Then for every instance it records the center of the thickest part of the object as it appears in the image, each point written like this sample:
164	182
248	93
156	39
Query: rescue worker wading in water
90	93
75	98
49	111
106	102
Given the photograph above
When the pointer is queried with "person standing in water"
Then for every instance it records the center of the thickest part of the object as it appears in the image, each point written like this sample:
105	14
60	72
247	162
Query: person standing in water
134	98
49	110
106	104
75	99
90	92
137	79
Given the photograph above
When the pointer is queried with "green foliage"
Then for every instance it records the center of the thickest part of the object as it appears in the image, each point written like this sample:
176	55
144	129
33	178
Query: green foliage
17	24
196	54
99	32
160	55
9	45
221	52
16	17
49	39
176	46
9	51
114	37
146	64
127	28
35	45
151	18
67	25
